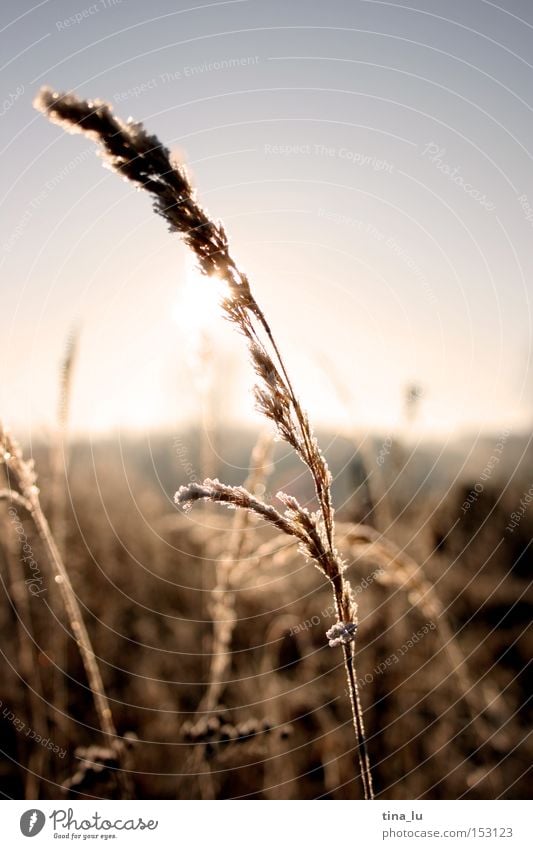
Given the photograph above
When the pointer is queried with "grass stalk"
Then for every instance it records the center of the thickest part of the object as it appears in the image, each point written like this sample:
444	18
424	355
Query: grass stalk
141	158
23	491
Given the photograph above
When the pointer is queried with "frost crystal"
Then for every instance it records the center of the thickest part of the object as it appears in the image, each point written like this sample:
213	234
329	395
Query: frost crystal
341	633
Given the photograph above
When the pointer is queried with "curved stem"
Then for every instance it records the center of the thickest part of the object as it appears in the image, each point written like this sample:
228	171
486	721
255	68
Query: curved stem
82	639
96	685
305	434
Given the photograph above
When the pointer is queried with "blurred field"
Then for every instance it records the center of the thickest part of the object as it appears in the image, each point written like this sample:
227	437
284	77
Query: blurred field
143	572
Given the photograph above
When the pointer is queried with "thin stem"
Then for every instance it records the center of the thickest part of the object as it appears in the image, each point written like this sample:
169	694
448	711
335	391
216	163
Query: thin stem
31	503
59	461
82	639
323	500
76	622
29	668
357	714
225	570
142	159
344	613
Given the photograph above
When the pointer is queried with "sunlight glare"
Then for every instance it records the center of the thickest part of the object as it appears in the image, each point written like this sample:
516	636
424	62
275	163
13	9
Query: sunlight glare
197	310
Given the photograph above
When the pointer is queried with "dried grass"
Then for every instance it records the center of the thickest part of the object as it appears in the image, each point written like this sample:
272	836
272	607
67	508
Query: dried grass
23	491
142	159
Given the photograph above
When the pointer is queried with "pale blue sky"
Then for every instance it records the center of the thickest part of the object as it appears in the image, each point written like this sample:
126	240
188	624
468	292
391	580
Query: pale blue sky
371	160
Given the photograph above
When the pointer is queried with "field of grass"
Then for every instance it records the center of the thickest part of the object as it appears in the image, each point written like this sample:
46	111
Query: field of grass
144	574
358	625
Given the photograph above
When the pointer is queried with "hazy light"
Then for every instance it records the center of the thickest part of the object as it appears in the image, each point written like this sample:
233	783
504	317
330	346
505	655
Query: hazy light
197	310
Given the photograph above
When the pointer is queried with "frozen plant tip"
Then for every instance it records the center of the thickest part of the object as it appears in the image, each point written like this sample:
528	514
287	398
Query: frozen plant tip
141	158
341	633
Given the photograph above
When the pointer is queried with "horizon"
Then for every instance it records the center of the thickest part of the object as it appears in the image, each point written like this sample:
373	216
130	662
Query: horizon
378	223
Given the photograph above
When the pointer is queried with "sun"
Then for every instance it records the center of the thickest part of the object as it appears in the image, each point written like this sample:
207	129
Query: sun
197	309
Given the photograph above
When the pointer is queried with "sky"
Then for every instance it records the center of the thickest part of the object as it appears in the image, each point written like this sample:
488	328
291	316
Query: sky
371	162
